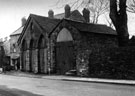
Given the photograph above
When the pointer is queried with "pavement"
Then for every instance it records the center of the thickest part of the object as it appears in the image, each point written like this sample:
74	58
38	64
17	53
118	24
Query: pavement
69	78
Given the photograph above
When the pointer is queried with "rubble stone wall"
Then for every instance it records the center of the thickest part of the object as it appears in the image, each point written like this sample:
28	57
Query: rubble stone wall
89	43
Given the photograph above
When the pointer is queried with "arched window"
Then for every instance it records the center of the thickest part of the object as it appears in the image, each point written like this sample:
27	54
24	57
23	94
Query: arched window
41	43
24	45
41	54
24	55
31	44
64	35
31	56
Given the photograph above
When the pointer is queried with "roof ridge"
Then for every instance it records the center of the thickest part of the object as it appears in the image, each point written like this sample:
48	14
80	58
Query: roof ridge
33	15
85	22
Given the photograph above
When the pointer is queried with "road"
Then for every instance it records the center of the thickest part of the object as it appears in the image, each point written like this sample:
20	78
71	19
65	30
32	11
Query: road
25	86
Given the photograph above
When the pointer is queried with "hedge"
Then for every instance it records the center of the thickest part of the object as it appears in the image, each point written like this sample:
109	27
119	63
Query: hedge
114	63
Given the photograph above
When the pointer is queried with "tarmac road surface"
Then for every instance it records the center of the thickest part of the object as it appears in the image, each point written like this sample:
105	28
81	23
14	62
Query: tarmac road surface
25	86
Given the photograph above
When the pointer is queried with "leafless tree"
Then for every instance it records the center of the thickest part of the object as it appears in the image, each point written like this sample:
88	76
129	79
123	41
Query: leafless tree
118	16
108	21
131	6
96	7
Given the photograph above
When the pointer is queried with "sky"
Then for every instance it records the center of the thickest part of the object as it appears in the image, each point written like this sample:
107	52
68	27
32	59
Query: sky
11	12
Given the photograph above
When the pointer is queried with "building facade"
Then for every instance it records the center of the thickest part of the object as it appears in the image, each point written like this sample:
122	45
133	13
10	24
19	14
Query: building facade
14	49
53	45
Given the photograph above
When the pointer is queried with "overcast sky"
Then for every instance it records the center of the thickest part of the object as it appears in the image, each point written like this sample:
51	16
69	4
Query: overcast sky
11	12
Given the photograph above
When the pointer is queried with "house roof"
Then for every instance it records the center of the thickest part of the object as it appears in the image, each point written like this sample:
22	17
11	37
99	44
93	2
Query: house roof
45	23
74	15
49	24
90	27
18	31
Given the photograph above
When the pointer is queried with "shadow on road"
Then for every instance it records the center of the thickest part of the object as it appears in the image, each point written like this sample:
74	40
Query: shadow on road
5	91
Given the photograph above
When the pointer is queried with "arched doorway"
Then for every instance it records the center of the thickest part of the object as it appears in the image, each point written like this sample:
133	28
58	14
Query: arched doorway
31	64
64	52
24	54
41	55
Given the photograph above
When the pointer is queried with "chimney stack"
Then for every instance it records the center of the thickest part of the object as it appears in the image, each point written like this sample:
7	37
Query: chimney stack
67	11
50	14
86	15
23	21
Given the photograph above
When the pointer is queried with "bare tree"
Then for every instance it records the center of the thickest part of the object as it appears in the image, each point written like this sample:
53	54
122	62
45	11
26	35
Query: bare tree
118	16
108	21
96	7
131	6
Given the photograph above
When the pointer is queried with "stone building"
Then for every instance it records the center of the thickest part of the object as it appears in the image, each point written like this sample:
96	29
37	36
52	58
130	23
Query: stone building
14	48
52	45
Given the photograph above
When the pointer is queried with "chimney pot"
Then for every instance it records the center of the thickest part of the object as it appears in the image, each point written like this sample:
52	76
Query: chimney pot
50	14
23	21
67	11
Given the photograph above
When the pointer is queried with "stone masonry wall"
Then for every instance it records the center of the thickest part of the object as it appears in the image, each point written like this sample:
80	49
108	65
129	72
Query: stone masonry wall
89	43
84	43
52	43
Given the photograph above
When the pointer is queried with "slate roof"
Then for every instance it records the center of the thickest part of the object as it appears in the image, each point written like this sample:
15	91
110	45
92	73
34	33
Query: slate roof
18	31
46	23
89	27
74	15
49	24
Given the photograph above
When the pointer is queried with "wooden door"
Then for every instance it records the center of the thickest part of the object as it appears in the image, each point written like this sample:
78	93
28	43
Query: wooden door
64	57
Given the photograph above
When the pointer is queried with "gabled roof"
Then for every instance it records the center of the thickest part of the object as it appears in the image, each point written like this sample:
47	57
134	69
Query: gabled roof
18	31
89	27
74	15
77	16
49	24
45	23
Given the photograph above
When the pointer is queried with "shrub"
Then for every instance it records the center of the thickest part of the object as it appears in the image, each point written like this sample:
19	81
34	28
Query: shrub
116	63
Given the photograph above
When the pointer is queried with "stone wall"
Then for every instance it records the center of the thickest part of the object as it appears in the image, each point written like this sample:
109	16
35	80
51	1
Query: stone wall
84	43
34	34
89	43
52	43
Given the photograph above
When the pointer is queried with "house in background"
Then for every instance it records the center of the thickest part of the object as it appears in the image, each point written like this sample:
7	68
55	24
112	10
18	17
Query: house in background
6	45
52	45
2	56
14	48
